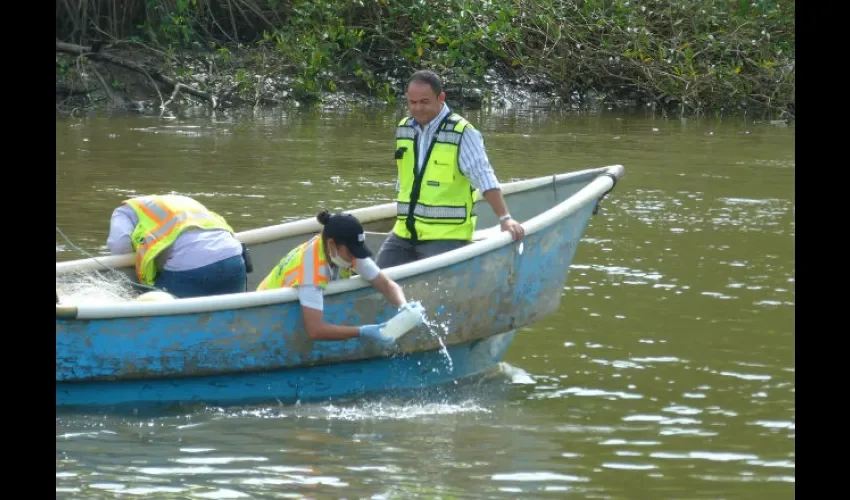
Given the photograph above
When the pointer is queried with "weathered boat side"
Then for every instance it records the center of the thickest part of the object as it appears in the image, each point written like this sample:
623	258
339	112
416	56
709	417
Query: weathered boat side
319	383
252	346
489	293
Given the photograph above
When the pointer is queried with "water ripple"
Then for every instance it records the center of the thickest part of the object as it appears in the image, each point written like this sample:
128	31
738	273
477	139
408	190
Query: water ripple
668	364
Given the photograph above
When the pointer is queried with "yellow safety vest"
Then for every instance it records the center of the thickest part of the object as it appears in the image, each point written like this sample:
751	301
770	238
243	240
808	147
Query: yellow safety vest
161	220
303	265
437	203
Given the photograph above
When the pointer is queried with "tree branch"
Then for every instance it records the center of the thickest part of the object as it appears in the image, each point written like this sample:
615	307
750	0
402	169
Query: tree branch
156	76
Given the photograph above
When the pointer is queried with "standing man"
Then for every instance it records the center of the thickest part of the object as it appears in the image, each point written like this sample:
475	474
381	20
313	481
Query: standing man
441	161
181	246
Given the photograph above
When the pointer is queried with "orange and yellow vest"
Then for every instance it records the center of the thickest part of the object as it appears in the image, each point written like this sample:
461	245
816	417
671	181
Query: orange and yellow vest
305	264
161	220
436	203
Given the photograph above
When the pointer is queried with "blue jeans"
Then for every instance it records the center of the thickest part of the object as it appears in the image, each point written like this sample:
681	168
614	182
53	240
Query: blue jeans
218	278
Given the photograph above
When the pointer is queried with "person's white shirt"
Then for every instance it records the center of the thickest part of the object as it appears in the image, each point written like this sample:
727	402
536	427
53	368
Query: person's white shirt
313	297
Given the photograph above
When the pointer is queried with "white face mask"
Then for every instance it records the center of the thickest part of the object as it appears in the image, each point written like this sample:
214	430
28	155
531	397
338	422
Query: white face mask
339	261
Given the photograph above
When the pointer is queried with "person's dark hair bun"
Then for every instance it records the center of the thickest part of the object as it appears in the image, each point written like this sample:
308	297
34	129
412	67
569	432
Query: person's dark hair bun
323	217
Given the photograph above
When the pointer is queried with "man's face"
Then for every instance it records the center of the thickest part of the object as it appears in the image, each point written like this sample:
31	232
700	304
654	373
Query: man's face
423	103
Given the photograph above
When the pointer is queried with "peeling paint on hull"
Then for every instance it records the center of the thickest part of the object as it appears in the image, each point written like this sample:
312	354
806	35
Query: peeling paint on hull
333	381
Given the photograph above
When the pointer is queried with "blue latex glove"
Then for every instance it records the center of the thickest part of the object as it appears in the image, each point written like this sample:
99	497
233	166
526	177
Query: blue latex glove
373	332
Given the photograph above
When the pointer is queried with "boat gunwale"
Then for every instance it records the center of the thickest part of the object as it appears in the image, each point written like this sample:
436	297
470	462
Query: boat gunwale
595	189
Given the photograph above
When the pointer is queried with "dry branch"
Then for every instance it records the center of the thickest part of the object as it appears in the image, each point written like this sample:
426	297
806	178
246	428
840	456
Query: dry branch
156	76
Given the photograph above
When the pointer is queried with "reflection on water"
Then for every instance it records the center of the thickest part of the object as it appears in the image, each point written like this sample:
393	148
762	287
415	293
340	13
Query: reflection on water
667	372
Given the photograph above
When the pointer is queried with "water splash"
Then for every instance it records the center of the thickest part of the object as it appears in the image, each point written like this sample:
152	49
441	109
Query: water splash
383	408
515	374
434	328
409	411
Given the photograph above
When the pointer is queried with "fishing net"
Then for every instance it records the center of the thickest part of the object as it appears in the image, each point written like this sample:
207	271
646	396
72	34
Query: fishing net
103	286
95	287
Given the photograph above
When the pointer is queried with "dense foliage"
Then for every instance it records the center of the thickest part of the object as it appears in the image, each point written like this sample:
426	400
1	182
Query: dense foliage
700	54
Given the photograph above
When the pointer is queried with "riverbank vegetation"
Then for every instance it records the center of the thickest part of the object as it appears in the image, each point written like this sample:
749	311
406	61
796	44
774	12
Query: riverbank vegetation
681	56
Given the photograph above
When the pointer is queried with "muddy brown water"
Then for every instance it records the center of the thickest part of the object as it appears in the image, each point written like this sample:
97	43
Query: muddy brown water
667	372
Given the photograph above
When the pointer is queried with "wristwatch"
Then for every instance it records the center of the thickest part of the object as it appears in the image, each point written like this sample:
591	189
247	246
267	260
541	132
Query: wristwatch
505	217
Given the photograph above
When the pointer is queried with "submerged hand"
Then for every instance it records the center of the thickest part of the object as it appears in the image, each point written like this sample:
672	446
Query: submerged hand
373	332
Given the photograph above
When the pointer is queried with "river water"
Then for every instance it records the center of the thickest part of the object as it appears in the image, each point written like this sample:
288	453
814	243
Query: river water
667	372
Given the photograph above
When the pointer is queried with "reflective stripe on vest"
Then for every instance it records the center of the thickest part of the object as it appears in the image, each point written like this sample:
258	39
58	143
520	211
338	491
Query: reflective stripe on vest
161	220
437	203
306	260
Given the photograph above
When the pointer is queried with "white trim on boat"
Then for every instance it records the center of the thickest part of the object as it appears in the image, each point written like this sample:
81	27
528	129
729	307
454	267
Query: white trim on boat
308	225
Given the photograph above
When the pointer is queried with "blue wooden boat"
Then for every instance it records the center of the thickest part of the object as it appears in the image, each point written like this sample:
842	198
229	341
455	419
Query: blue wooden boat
251	347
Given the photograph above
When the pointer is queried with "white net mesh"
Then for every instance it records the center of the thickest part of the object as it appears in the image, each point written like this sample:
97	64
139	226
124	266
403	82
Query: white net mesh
94	288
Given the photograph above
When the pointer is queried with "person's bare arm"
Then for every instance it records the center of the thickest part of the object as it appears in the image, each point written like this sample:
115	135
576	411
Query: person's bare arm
317	329
475	165
497	202
391	290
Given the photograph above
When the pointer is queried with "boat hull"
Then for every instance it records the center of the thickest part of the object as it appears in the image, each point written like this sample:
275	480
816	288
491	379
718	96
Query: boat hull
491	293
334	381
251	346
